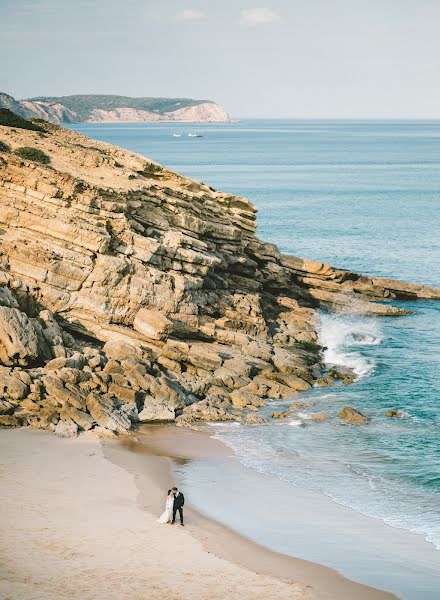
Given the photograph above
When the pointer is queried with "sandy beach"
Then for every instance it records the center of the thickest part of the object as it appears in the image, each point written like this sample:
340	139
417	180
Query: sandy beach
76	525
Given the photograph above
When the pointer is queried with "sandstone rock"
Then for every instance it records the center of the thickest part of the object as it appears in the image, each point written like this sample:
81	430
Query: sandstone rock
318	417
395	412
81	418
281	415
324	381
211	409
56	363
18	339
7	298
200	356
299	405
229	378
343	374
120	350
152	324
12	421
66	429
289	380
11	385
104	413
253	419
352	416
242	399
156	410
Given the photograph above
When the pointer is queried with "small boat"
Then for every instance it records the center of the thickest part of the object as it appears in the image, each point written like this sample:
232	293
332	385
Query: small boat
194	135
177	135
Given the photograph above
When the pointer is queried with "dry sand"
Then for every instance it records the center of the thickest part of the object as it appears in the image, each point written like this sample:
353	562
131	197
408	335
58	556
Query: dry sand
77	526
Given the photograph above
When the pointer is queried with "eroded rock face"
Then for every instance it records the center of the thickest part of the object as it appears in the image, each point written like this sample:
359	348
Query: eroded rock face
18	338
129	293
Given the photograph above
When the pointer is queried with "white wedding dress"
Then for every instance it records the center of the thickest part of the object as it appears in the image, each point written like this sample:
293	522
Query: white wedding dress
167	515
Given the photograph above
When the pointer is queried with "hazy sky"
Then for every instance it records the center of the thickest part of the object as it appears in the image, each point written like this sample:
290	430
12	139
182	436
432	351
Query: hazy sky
261	58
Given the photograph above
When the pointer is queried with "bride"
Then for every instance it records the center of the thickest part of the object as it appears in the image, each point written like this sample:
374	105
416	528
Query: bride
167	515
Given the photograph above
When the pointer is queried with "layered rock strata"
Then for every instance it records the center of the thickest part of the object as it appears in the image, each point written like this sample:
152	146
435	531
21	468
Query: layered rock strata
129	293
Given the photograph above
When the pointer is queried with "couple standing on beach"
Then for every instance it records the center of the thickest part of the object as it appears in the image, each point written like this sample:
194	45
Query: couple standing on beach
175	501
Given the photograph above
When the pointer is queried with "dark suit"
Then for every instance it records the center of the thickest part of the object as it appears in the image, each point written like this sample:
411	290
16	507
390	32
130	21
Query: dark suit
179	501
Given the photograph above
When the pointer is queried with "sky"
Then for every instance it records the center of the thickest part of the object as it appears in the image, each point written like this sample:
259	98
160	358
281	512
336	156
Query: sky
257	58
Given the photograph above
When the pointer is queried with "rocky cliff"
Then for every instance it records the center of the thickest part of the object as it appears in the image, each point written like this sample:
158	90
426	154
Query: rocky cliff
131	293
99	108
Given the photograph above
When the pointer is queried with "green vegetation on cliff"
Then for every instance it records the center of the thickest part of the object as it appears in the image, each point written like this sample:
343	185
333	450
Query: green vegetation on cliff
33	154
10	119
82	105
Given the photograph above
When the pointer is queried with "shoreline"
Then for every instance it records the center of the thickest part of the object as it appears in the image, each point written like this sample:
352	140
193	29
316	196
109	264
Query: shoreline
154	452
72	529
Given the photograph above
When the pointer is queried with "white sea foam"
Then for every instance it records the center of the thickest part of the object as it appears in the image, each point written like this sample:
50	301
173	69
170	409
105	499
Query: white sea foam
340	333
227	424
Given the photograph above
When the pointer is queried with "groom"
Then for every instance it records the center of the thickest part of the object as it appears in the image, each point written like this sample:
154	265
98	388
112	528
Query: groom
179	501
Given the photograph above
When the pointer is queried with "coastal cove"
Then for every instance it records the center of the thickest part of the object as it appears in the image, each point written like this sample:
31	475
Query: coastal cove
333	190
220	300
132	294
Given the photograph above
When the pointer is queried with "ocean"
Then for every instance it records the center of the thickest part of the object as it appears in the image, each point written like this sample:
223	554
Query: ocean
365	196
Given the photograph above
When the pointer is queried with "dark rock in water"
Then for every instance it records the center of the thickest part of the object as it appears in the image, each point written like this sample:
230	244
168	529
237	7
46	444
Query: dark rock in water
253	419
395	412
353	416
342	374
281	415
318	417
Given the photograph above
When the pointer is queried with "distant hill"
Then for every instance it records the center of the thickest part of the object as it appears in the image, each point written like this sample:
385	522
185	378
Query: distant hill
108	108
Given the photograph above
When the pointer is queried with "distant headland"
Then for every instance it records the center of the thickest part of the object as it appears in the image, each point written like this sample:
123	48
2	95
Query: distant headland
98	108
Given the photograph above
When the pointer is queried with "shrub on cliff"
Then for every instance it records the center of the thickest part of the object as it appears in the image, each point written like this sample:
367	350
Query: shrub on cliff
10	119
33	154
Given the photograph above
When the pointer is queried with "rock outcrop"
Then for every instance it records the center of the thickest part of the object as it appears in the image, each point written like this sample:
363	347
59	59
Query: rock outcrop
352	416
129	293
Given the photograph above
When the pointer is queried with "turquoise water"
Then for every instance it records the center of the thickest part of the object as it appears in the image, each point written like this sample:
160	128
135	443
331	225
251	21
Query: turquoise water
363	196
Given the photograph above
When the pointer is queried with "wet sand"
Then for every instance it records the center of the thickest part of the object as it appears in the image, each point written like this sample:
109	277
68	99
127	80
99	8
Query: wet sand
77	526
150	456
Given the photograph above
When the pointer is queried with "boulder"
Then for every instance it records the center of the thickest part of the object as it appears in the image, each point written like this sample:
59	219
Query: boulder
152	324
201	356
242	399
229	378
290	380
66	429
395	412
343	374
11	385
18	338
81	418
120	350
106	415
281	415
252	419
157	410
318	417
353	416
12	421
